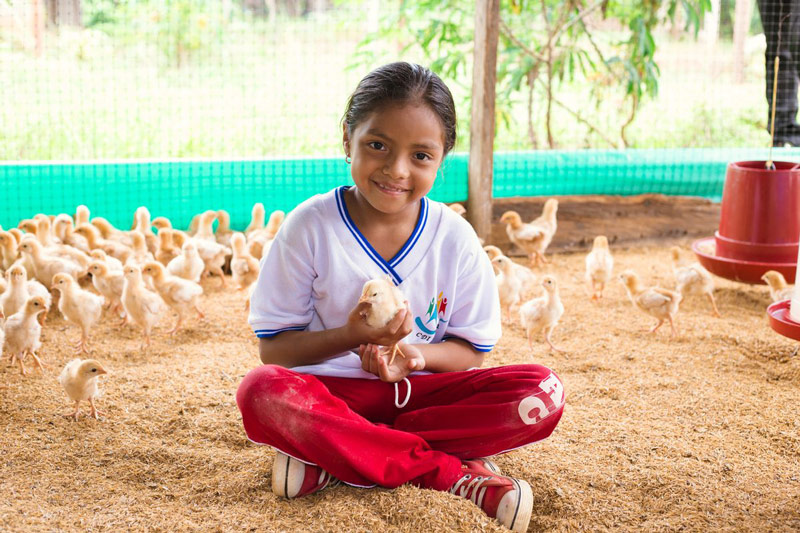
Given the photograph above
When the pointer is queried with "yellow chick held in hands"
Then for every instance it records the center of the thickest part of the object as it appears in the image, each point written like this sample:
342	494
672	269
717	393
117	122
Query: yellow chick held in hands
79	379
779	290
543	313
693	278
78	306
599	266
385	301
655	301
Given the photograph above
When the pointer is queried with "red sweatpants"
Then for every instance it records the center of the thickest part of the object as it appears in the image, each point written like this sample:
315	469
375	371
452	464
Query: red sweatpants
352	428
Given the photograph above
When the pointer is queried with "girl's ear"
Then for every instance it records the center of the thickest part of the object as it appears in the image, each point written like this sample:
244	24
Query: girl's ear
345	140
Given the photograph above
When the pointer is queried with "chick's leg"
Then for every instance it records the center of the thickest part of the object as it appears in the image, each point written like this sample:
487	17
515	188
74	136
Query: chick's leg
75	413
95	411
177	325
710	296
547	333
37	362
217	271
661	321
394	351
21	364
672	325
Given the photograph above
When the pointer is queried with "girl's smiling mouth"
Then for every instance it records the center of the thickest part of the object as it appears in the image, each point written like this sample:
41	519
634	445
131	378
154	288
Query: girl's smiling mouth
389	189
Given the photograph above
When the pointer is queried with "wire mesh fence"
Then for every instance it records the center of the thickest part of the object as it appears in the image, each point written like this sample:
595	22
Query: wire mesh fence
245	80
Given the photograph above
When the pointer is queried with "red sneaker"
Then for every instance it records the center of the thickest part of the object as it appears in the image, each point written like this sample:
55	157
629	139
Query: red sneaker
506	499
487	464
293	479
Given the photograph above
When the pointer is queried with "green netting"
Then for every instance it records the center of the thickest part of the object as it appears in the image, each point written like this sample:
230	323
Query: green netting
180	189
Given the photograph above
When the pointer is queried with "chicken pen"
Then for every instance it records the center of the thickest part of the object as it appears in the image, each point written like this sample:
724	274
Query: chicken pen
693	426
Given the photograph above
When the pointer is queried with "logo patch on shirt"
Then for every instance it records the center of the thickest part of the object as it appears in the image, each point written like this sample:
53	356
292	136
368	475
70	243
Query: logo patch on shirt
434	314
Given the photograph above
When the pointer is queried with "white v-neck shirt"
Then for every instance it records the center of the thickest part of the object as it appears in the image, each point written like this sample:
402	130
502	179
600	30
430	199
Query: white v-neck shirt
313	274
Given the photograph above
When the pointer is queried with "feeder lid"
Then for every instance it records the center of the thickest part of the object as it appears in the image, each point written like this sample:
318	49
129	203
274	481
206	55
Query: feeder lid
737	269
780	321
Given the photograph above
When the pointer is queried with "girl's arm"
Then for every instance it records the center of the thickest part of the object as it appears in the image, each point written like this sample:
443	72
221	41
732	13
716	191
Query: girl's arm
299	348
448	356
451	355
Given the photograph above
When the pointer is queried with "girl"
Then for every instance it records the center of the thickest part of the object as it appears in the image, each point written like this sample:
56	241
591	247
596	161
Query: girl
327	398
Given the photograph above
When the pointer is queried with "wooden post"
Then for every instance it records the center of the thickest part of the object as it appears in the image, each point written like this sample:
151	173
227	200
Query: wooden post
481	143
741	25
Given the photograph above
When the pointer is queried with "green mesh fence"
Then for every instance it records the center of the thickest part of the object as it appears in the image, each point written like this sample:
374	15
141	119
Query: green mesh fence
180	189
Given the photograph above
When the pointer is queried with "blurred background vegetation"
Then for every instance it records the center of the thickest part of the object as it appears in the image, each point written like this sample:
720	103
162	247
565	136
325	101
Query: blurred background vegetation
113	79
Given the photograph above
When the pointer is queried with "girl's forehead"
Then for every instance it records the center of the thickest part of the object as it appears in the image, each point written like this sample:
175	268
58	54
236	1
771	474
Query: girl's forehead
404	119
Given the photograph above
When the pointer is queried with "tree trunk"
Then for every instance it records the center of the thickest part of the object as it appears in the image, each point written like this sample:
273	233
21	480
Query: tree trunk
64	13
741	23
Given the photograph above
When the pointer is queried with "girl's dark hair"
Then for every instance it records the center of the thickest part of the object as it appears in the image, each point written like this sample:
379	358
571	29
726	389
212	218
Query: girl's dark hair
399	83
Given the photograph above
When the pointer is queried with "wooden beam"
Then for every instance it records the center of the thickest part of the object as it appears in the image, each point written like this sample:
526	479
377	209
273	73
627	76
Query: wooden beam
481	143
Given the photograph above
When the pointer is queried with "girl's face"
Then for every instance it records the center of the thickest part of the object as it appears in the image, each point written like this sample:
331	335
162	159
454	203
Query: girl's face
396	152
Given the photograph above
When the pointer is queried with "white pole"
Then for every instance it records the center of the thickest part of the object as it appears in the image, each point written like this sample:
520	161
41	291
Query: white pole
794	305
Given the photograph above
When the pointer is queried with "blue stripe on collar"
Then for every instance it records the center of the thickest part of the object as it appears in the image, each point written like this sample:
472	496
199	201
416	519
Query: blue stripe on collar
423	218
365	245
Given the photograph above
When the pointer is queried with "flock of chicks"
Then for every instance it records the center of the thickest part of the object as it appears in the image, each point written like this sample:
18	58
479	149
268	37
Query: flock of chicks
136	275
541	314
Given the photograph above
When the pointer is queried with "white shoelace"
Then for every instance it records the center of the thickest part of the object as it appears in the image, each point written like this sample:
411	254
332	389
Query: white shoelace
397	394
474	485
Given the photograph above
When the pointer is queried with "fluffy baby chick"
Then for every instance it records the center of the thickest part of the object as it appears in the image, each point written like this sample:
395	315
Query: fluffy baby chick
46	266
459	209
109	283
79	379
113	264
65	231
213	255
19	290
535	236
492	251
655	301
8	250
188	265
95	239
205	229
385	301
142	306
80	307
179	294
779	290
542	313
525	274
256	218
81	215
109	232
244	266
599	266
22	333
167	251
141	253
224	232
509	286
143	225
259	241
693	278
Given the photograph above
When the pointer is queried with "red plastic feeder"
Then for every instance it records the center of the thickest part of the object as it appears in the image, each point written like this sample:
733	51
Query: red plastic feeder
781	322
759	223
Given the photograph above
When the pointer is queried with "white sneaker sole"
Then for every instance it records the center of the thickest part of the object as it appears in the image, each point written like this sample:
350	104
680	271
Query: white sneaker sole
516	507
287	475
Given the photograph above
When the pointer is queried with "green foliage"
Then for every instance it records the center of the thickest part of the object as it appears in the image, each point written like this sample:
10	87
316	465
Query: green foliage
545	45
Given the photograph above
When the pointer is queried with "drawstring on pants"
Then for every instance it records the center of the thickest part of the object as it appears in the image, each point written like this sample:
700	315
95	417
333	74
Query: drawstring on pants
397	394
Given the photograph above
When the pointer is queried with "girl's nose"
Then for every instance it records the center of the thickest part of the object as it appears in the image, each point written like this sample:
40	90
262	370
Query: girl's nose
397	168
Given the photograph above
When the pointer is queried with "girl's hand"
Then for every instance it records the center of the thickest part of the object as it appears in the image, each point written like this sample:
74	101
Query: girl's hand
375	360
397	328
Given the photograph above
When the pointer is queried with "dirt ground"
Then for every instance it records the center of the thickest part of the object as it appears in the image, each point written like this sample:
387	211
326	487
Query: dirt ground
698	433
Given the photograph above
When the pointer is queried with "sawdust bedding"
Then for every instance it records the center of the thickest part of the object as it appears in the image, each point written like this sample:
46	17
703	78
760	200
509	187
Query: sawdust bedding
697	433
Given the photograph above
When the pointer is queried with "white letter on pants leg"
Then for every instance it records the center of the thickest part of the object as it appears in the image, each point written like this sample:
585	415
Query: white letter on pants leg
528	405
553	387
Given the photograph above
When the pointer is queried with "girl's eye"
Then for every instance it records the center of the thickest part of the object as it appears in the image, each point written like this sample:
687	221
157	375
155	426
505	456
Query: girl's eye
422	156
375	145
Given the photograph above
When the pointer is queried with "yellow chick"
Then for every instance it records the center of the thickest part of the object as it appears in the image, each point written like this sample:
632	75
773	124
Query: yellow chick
8	250
179	294
213	255
96	241
46	266
23	332
205	225
492	251
525	274
162	223
141	254
542	313
779	290
274	223
224	232
79	379
459	209
244	266
655	301
81	215
143	226
20	289
193	225
385	301
167	251
80	307
535	236
599	266
109	283
109	232
142	306
509	286
692	278
188	264
256	218
65	231
259	241
113	264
